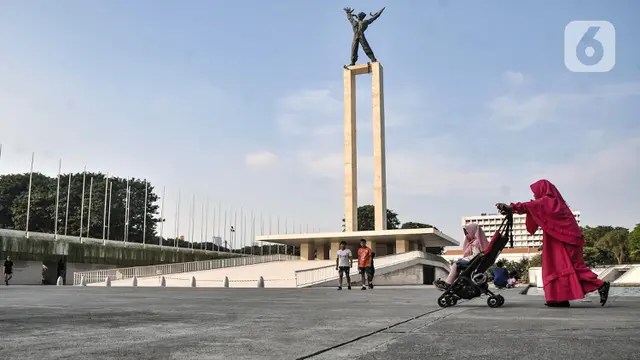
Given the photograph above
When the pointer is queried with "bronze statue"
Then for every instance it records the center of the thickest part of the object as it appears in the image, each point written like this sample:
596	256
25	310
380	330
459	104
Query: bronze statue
360	25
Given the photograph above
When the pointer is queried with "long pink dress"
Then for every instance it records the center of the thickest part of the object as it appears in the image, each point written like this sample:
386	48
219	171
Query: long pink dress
565	276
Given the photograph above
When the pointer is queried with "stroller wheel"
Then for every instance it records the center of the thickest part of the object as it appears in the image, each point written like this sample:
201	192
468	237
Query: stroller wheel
443	301
500	300
452	301
493	301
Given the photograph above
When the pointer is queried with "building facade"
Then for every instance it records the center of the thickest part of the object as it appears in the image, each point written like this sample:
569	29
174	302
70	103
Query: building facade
521	238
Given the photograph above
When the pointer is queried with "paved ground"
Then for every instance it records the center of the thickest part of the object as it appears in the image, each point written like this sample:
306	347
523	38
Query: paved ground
96	323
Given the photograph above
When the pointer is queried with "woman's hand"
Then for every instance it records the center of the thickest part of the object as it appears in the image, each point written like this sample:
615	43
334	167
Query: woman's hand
502	207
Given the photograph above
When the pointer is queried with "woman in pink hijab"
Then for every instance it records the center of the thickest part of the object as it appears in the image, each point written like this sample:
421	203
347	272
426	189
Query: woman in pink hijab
565	276
475	242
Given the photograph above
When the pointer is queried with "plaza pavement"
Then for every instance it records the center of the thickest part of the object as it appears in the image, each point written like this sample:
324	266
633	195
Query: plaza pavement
399	323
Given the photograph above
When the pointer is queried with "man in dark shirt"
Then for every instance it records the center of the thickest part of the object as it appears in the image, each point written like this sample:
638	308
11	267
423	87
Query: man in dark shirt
500	275
7	270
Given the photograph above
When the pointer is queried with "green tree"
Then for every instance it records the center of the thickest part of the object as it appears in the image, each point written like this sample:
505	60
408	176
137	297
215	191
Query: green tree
366	219
14	198
616	241
417	225
634	242
593	234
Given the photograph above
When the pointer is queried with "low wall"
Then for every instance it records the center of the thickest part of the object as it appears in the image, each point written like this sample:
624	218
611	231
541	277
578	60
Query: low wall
29	254
408	273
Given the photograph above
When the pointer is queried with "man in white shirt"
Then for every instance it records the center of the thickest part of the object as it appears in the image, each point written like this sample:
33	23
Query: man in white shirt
343	264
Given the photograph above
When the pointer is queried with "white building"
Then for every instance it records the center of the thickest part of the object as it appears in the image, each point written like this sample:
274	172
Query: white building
521	238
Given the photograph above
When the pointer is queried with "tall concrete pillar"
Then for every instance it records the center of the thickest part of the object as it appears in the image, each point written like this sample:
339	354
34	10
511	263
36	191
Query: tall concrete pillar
379	158
350	148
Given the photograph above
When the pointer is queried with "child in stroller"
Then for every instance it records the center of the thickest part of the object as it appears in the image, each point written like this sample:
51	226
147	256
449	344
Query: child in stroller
472	280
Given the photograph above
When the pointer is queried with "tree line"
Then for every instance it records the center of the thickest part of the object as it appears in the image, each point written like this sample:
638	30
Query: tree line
89	218
76	215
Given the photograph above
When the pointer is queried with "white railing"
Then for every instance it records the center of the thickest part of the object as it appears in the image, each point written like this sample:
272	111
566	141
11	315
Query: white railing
319	275
95	276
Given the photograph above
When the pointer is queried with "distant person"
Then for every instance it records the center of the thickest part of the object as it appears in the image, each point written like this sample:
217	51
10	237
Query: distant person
565	275
364	263
513	279
7	270
344	259
475	242
500	275
44	274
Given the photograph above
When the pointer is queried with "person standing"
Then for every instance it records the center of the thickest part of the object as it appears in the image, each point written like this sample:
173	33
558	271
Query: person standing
565	275
7	270
372	271
344	259
364	263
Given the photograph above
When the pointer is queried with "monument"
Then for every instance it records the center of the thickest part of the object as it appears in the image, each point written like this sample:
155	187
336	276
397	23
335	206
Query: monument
323	246
360	25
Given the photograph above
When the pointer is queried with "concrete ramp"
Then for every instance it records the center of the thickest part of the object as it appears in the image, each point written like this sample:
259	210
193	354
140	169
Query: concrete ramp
278	274
630	276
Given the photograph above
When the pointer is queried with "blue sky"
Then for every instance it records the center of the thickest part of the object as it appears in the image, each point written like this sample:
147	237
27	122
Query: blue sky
241	102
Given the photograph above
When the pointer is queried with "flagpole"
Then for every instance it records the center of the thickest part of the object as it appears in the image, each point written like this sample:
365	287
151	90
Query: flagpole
244	234
193	222
213	227
261	233
55	227
224	230
161	241
84	181
189	226
126	213
104	212
241	230
66	214
270	233
175	242
144	220
234	242
29	195
109	211
219	219
253	230
204	222
89	212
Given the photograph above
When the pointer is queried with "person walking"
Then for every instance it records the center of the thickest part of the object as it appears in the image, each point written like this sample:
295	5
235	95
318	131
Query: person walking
344	260
364	263
565	276
7	270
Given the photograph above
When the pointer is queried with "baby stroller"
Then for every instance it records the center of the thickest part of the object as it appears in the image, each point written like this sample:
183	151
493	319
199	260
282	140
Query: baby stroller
472	280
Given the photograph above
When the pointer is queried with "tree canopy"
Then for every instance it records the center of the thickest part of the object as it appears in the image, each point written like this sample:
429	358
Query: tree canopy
14	189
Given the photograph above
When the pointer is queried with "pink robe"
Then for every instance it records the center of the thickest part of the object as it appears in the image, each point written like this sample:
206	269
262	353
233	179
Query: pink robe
565	276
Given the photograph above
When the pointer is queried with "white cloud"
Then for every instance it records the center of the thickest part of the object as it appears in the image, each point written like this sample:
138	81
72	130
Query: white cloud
260	159
513	78
517	111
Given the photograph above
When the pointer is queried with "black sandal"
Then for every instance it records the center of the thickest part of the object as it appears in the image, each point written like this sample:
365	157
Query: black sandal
603	291
561	304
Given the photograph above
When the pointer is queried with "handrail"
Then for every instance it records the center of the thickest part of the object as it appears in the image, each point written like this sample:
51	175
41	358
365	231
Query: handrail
322	274
167	269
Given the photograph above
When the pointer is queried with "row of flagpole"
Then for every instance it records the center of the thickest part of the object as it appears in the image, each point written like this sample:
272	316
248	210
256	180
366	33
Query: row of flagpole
227	236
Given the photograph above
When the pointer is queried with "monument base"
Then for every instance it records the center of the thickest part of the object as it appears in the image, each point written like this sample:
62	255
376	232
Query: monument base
323	246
